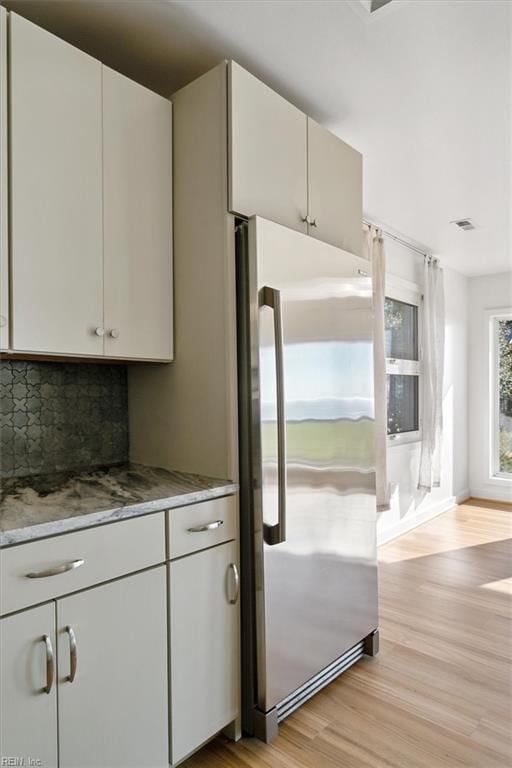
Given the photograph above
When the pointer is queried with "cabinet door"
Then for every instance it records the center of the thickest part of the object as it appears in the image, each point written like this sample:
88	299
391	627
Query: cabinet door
56	194
204	647
114	712
4	241
335	190
268	152
28	722
137	220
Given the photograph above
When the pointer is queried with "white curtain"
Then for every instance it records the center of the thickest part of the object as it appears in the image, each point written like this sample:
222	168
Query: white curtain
433	364
374	252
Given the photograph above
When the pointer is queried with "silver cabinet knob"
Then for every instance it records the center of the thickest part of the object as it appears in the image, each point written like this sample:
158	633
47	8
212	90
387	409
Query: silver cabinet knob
114	333
313	223
99	331
304	219
3	321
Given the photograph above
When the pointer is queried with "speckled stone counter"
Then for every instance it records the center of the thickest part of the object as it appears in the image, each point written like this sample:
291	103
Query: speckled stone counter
35	507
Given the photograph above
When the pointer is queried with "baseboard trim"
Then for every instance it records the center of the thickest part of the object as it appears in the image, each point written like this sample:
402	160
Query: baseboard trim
492	494
412	521
463	496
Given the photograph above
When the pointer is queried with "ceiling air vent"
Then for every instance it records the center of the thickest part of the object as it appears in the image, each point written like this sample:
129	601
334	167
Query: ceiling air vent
465	224
371	6
374	10
375	5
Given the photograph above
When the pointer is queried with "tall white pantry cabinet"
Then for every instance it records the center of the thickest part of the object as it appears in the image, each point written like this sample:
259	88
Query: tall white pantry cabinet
240	149
90	205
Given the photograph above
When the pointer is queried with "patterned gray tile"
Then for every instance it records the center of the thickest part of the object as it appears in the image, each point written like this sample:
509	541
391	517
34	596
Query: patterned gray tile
61	416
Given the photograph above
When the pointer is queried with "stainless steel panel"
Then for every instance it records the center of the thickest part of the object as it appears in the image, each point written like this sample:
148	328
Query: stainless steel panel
316	592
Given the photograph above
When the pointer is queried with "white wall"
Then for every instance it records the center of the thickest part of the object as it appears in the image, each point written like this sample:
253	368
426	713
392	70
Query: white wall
409	507
485	293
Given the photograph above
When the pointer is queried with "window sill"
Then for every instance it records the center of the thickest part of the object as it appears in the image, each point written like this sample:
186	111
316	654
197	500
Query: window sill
411	440
500	480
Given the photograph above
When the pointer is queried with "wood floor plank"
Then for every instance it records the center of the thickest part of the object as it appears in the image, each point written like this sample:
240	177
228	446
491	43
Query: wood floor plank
439	693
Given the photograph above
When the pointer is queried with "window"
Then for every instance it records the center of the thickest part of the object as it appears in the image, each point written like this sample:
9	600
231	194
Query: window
402	366
501	394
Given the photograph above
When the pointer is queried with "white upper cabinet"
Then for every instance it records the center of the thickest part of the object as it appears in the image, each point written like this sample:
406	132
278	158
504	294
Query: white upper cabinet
90	205
137	213
4	186
267	152
56	194
287	168
335	182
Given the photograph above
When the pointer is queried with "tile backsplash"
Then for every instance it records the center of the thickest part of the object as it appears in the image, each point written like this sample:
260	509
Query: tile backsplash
61	416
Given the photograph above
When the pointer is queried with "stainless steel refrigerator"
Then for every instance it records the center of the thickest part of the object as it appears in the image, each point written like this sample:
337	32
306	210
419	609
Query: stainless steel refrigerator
307	468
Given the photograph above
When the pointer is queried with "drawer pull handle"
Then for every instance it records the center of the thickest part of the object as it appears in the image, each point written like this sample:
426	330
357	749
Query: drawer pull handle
58	569
206	526
72	653
49	664
236	582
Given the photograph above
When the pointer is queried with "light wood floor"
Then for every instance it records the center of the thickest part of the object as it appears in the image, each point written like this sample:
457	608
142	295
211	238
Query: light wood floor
438	695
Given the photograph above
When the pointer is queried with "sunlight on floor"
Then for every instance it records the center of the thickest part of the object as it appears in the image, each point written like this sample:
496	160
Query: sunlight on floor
446	536
502	585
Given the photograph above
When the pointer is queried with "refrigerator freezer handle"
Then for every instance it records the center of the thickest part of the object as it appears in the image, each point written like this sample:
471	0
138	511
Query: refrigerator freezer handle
276	534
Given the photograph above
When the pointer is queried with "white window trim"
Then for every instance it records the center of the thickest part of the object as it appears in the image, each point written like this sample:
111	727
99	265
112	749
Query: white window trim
495	476
410	293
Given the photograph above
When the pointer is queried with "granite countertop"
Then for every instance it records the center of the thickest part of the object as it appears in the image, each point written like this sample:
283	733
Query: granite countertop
35	507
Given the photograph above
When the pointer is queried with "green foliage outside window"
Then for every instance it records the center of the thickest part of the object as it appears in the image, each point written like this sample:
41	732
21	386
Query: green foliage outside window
505	394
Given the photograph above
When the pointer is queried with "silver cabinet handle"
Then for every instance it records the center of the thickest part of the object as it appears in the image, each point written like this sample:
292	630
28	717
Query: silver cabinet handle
99	331
49	664
236	581
72	653
57	570
206	526
113	333
310	222
276	534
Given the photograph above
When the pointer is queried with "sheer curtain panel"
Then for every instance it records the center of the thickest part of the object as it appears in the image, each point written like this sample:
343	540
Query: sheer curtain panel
374	252
433	363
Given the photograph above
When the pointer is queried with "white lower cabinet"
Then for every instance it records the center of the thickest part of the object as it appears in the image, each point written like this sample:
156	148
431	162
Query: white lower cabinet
28	698
204	646
114	711
111	678
86	677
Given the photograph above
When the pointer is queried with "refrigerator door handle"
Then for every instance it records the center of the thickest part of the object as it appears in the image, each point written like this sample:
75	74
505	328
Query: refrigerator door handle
276	534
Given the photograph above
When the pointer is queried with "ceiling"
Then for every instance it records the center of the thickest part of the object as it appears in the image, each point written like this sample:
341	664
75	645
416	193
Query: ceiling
422	89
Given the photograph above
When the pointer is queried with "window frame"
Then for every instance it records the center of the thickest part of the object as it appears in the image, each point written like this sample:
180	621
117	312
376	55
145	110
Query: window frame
406	292
504	313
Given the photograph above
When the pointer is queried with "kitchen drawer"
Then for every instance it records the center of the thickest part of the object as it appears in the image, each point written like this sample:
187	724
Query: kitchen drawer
108	551
188	526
